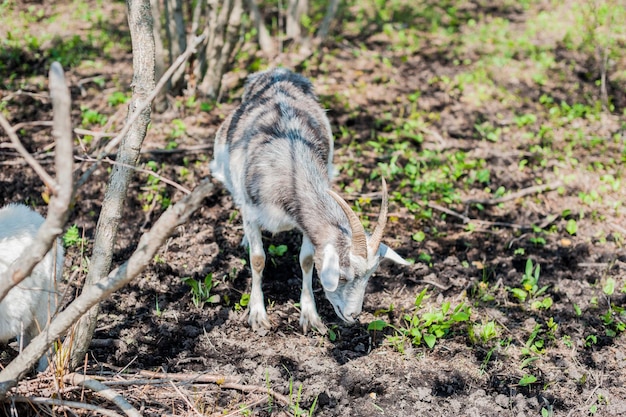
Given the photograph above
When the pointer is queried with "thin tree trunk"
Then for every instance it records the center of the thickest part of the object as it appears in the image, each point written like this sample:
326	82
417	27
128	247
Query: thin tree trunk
160	102
222	42
295	10
140	23
265	40
175	28
331	10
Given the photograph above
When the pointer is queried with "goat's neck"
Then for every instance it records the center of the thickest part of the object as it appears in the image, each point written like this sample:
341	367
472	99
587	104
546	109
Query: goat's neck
324	221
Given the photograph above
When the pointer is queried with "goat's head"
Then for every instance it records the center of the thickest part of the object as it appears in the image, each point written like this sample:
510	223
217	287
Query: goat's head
344	269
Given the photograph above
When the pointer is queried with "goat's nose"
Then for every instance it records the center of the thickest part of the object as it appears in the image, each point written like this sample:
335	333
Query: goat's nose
351	318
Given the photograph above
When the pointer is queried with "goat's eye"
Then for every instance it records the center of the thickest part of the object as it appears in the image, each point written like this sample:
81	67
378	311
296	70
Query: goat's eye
343	279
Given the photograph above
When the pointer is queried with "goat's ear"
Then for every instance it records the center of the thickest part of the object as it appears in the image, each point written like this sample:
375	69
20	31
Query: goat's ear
387	253
329	274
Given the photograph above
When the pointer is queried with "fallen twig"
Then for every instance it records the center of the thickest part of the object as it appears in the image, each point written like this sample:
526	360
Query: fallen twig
513	196
102	390
221	381
68	404
466	219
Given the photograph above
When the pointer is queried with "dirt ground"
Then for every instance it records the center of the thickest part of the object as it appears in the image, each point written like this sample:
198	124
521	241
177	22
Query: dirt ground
154	325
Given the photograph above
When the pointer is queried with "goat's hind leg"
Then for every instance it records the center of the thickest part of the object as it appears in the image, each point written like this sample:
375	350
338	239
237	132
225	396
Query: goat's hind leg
308	310
257	315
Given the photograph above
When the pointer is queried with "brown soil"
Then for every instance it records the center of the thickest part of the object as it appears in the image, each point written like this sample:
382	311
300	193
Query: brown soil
153	324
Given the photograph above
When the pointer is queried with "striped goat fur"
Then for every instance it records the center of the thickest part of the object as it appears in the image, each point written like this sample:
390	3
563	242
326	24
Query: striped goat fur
274	154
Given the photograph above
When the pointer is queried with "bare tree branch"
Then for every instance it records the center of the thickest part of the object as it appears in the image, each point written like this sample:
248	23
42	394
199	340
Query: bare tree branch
145	171
17	145
61	190
148	245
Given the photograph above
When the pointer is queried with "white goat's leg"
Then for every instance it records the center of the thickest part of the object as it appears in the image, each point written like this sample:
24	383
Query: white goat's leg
257	314
308	311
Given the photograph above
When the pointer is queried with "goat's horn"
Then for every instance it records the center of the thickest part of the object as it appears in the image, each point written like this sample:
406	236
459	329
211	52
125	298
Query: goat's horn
377	234
359	240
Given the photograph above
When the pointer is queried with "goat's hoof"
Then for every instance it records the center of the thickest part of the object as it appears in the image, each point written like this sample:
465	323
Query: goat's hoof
259	322
315	323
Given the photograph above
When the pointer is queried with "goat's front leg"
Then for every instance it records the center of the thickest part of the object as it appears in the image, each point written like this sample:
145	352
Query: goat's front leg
257	315
308	311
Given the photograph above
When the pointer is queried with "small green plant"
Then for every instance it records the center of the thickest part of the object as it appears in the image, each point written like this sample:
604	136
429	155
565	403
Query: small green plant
178	128
534	345
614	320
483	332
118	98
332	332
609	286
277	251
243	302
91	117
591	340
424	328
157	309
571	227
527	380
296	409
530	289
201	291
72	237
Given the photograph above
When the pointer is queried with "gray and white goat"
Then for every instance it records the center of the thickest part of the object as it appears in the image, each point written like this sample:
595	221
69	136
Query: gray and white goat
274	154
27	308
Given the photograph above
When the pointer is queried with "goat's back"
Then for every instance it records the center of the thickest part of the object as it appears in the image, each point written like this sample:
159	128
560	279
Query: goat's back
274	152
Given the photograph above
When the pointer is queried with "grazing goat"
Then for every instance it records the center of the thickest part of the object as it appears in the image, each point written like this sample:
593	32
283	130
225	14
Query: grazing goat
27	308
274	154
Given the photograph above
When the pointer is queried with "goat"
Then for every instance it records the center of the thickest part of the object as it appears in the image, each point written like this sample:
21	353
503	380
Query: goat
274	154
28	306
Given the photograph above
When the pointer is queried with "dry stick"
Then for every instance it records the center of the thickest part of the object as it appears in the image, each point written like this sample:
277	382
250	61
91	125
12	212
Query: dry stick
61	189
185	399
102	390
549	219
220	380
47	123
142	106
521	193
17	145
148	245
137	169
68	404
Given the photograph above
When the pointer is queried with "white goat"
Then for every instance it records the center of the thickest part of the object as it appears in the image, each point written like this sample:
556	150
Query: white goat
27	308
274	154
